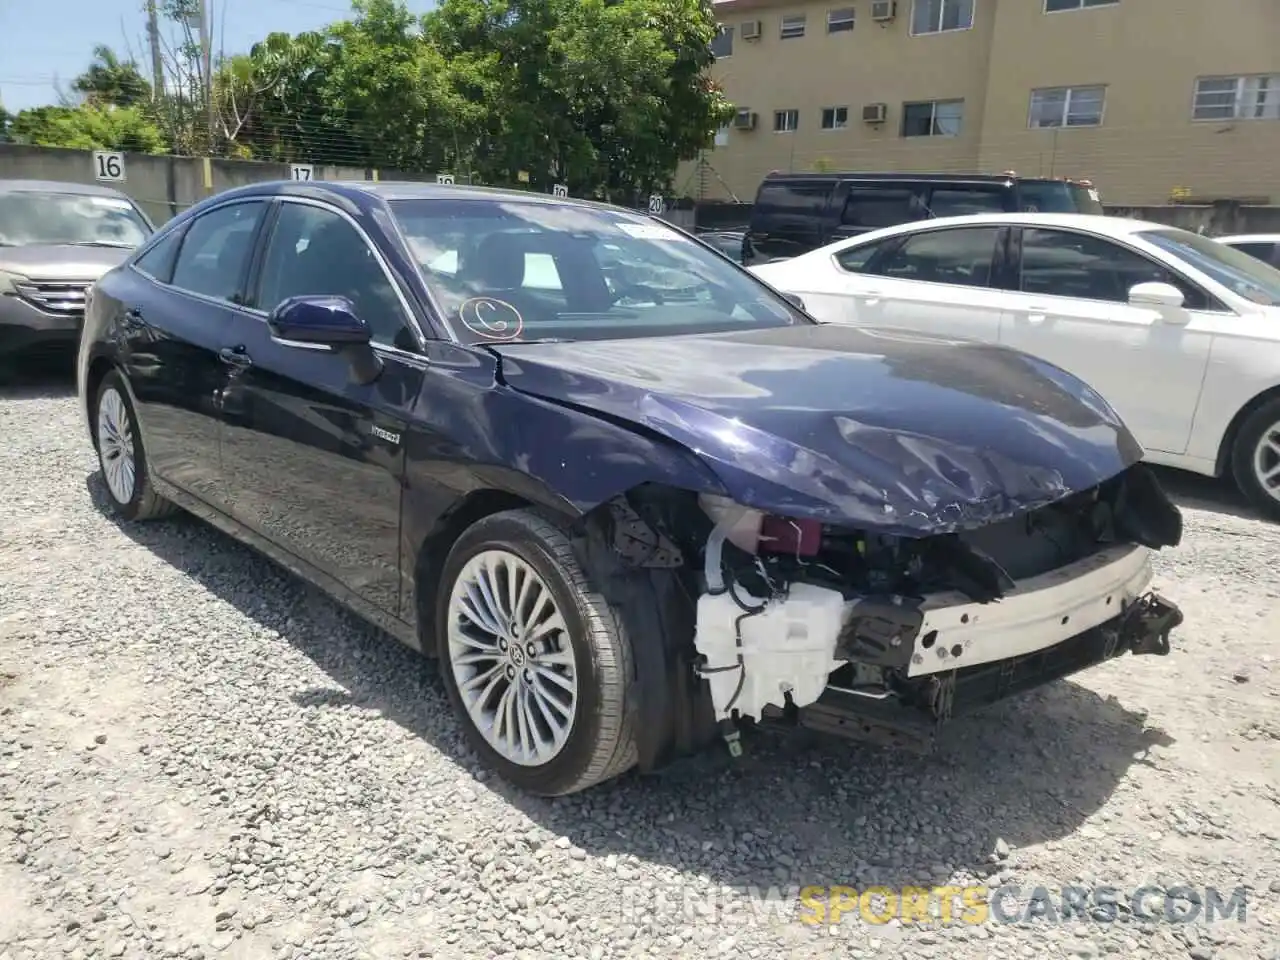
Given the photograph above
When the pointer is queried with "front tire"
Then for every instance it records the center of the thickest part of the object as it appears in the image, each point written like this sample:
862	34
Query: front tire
121	455
534	660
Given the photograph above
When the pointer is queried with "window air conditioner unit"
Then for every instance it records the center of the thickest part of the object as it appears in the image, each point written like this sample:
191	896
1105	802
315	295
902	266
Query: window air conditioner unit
745	120
751	30
875	112
883	10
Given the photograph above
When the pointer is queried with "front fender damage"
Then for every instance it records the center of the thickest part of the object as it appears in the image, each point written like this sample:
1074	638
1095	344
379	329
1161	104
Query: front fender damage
738	616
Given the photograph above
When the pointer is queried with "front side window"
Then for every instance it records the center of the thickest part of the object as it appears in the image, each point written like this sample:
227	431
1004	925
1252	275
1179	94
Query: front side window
835	118
1059	263
937	16
1238	98
792	27
316	252
40	217
786	121
933	118
1067	106
961	257
722	43
510	270
215	250
1240	273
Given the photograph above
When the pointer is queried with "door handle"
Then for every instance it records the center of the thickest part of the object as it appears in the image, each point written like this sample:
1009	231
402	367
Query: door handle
235	357
1036	314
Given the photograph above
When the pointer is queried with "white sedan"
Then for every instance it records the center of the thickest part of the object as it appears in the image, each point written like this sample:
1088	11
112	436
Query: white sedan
1179	332
1263	246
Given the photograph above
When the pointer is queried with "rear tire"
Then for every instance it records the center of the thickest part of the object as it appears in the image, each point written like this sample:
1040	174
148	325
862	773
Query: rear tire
1255	459
121	455
540	685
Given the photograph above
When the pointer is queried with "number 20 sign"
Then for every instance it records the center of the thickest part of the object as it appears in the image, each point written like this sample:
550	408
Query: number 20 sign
108	165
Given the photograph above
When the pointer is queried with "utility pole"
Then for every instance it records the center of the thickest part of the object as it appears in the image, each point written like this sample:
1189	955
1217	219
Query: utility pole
206	54
157	62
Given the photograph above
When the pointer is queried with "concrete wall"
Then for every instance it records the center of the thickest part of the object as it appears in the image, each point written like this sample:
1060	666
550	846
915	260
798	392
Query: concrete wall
163	186
1217	220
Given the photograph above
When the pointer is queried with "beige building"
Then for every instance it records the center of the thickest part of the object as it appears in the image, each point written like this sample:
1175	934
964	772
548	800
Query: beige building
1150	99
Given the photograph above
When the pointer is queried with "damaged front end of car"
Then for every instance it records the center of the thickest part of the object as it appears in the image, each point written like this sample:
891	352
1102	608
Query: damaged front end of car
886	638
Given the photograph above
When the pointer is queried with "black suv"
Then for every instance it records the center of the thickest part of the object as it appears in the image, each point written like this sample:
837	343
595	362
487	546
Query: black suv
798	212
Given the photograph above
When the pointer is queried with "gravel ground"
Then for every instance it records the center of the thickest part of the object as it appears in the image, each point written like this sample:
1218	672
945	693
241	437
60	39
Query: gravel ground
200	757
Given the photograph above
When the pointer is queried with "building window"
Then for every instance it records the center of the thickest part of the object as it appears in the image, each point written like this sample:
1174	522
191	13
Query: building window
1067	106
933	118
792	27
835	118
1057	6
937	16
1237	98
785	121
722	44
840	21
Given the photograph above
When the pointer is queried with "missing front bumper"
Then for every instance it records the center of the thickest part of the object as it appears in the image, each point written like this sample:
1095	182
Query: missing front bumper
912	717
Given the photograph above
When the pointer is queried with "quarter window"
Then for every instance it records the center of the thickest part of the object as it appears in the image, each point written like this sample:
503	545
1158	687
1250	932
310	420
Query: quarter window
835	118
1055	6
933	118
855	259
960	257
157	263
868	209
785	121
215	251
840	21
937	16
792	27
1058	263
315	252
963	201
1067	106
1238	98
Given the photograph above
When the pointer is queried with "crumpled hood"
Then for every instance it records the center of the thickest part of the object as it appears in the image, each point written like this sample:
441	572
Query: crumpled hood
875	429
61	261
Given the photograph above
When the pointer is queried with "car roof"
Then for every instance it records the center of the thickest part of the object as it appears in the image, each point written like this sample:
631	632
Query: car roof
1250	238
1094	223
917	178
58	186
355	190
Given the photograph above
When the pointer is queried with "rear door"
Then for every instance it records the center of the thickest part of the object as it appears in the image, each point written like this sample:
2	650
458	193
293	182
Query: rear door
313	461
787	218
939	281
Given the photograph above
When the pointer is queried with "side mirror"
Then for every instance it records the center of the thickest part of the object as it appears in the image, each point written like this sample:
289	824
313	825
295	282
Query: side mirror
328	325
794	300
1164	297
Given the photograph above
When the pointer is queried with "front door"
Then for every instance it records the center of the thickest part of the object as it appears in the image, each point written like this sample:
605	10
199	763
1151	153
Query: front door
936	281
313	461
1071	308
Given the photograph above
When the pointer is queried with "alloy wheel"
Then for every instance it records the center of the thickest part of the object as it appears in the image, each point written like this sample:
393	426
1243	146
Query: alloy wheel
115	446
511	658
1266	461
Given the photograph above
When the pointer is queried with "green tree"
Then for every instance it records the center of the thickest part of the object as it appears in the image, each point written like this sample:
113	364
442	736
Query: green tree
112	81
88	127
6	119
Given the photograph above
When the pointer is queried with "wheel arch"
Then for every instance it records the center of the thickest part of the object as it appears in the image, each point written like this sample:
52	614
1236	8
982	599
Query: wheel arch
97	371
1223	465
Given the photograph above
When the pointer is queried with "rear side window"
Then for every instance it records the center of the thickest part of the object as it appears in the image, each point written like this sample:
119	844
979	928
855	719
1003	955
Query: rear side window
962	201
216	249
962	257
1266	252
870	209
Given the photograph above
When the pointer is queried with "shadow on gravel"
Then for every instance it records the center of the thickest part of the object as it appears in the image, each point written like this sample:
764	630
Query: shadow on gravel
1198	492
38	376
1028	771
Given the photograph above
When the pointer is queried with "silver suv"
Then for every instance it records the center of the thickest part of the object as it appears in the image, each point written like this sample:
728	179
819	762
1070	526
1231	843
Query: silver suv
56	240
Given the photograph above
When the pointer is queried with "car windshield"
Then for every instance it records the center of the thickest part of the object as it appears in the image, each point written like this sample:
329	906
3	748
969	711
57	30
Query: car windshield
515	270
1058	196
35	217
1240	273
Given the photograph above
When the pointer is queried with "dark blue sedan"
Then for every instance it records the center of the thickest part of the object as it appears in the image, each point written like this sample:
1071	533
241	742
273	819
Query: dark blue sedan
632	497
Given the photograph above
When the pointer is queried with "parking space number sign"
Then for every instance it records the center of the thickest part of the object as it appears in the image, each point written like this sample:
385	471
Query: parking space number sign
302	171
108	165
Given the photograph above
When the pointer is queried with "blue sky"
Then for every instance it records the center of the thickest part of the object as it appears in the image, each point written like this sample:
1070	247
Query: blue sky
43	42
